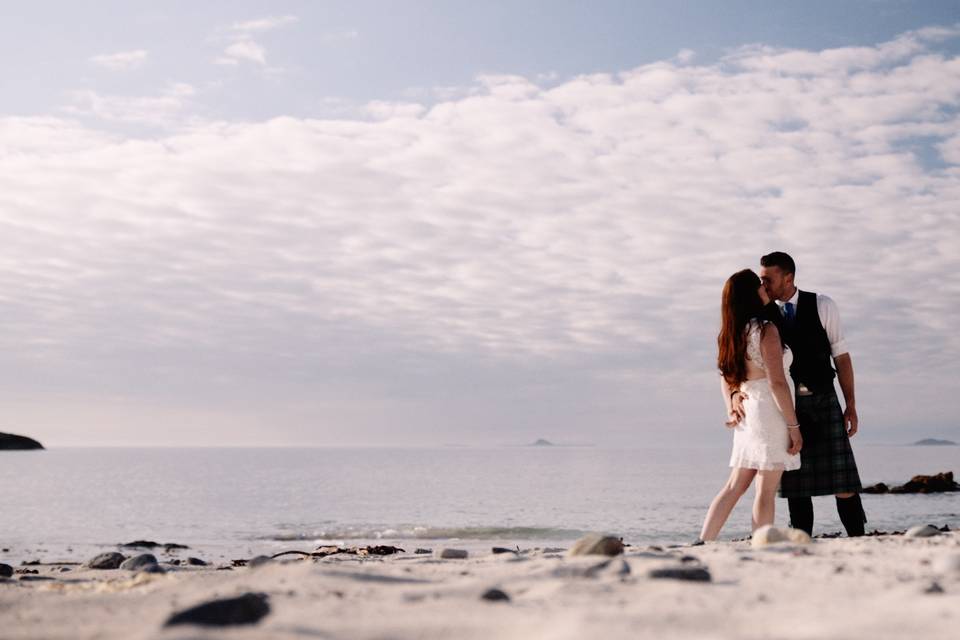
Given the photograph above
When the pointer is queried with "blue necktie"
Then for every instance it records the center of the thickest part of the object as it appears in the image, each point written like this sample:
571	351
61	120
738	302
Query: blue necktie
789	314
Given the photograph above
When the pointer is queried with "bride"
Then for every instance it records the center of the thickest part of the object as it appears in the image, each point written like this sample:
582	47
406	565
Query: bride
767	441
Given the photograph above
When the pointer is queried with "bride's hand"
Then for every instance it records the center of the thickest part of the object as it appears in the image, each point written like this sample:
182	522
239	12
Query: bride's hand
796	441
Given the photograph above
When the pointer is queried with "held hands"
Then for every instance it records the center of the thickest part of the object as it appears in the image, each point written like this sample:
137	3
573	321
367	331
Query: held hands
736	409
796	441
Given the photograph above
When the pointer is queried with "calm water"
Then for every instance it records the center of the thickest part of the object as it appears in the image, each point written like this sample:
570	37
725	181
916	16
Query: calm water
260	500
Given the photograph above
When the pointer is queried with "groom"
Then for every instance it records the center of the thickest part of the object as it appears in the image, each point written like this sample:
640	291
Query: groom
810	325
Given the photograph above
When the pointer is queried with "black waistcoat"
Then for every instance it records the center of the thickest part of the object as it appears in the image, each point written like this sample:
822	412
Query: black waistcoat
812	364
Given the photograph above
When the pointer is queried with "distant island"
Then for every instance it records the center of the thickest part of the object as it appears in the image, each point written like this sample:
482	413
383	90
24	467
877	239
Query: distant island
13	442
927	442
542	443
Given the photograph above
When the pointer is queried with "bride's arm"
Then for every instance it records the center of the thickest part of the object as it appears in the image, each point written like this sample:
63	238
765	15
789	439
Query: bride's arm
772	352
732	418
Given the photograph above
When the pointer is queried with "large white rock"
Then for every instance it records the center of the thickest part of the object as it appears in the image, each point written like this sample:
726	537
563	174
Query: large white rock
597	544
769	534
922	531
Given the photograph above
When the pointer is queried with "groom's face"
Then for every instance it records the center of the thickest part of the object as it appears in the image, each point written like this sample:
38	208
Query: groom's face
775	282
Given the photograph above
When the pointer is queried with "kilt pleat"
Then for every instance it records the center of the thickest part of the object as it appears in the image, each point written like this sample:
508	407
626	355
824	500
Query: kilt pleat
827	465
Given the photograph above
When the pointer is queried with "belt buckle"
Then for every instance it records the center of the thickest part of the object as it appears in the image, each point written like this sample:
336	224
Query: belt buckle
802	390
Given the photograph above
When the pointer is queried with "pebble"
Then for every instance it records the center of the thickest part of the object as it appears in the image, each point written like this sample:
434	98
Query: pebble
108	560
495	595
922	531
196	562
453	554
139	562
934	588
691	574
597	544
6	571
249	608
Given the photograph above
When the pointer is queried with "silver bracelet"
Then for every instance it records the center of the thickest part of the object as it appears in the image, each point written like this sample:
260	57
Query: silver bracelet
793	426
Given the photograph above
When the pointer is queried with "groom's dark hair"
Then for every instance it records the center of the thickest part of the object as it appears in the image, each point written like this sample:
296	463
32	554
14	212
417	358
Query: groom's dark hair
779	259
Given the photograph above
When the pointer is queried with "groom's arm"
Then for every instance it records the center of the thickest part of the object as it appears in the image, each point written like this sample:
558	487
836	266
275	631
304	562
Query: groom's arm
845	376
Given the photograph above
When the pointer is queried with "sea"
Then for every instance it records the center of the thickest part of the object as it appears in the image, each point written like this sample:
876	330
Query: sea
239	502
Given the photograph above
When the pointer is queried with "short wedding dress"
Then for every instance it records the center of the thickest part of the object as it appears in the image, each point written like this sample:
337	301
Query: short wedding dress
761	440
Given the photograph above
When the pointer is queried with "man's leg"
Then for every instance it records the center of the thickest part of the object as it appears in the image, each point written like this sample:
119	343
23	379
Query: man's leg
850	509
801	513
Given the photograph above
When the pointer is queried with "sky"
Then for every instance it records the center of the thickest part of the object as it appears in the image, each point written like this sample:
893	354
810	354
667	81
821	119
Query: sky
461	223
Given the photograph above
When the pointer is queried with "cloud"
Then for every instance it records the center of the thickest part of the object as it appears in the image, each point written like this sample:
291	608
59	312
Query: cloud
245	50
263	24
163	110
512	261
243	47
121	61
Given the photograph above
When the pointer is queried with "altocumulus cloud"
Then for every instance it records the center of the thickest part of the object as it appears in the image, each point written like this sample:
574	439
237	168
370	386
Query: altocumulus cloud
522	260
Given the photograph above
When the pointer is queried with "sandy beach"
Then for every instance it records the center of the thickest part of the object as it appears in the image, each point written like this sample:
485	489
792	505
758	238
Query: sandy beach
876	587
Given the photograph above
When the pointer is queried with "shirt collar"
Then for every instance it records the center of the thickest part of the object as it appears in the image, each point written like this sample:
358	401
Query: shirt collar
793	300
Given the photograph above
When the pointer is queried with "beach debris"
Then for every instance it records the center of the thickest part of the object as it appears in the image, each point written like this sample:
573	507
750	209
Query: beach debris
108	560
453	554
373	550
922	531
196	562
769	534
498	550
934	587
259	561
150	544
937	483
24	572
421	551
597	544
249	608
6	571
690	574
495	595
139	562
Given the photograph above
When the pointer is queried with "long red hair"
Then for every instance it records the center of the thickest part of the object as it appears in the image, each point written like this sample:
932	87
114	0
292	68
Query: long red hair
740	304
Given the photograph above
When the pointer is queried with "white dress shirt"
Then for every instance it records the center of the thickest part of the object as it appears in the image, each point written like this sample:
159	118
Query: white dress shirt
829	318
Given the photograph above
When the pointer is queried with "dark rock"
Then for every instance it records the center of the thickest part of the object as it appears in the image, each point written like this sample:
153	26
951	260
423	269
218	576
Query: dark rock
498	550
25	572
876	488
929	484
175	562
139	544
453	554
541	442
108	560
933	442
139	562
197	562
152	568
173	546
421	551
692	574
6	571
13	442
249	608
36	578
495	595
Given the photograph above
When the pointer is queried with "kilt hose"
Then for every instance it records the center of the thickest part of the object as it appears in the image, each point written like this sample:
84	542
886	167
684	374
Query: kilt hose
827	465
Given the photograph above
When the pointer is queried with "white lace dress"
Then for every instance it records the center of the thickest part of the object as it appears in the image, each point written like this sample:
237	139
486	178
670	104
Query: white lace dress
761	440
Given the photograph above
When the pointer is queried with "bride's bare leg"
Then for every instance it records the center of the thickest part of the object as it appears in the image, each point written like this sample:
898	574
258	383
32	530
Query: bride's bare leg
737	484
765	502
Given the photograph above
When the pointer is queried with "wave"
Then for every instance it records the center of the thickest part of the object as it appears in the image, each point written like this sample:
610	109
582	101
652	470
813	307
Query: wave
411	532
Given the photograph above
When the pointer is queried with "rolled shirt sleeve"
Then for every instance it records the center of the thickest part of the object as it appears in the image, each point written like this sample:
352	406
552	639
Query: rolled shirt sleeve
830	319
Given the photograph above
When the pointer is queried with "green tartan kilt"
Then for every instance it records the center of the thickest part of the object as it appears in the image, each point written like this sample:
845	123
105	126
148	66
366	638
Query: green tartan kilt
827	465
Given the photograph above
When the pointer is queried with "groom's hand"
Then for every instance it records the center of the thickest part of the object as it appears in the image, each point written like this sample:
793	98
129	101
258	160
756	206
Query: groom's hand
850	420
